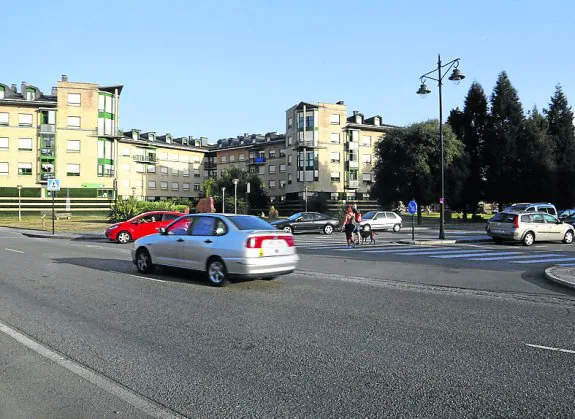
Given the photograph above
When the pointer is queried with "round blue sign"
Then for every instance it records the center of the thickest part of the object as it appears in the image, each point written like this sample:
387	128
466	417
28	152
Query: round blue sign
412	207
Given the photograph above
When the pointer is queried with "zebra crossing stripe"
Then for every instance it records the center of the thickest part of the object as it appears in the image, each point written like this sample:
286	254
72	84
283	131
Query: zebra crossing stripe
408	250
465	255
382	249
441	252
509	256
543	260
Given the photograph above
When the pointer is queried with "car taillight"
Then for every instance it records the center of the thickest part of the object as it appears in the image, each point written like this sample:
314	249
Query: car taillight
516	221
256	241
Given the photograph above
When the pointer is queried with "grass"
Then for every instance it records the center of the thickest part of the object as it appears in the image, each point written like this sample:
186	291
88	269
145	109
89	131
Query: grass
79	223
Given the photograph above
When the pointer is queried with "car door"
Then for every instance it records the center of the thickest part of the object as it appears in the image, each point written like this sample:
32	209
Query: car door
206	235
305	222
541	228
146	225
389	220
555	229
168	249
319	220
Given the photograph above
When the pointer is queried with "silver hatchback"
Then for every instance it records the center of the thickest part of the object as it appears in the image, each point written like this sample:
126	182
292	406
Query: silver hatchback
381	220
223	246
529	228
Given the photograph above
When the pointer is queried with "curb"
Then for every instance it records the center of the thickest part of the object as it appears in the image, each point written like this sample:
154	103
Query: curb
561	275
60	236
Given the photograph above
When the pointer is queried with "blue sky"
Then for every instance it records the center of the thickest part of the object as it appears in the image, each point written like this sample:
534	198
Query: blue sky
219	69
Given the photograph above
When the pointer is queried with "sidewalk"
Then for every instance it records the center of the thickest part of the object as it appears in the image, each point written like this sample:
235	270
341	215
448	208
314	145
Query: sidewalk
89	235
562	275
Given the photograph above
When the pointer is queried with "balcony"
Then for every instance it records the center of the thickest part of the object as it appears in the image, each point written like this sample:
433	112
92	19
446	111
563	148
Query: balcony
47	128
352	164
47	152
351	146
109	133
149	158
352	184
44	176
307	144
210	165
257	160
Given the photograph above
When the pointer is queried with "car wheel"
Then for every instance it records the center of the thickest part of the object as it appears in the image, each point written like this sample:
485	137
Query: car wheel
217	272
144	262
568	239
396	228
288	229
528	239
366	227
123	237
328	229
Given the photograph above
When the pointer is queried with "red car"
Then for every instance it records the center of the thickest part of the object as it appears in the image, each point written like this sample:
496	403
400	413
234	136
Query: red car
141	225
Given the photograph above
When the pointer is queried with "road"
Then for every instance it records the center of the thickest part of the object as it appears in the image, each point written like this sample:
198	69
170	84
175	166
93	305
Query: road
347	335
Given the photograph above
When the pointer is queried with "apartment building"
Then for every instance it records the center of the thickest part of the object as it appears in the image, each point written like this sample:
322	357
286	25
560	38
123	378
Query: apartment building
329	153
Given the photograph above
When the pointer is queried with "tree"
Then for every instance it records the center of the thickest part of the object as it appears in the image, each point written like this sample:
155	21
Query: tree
257	199
503	135
470	126
562	134
409	164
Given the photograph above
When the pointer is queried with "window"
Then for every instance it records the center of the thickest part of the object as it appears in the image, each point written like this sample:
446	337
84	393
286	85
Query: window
366	158
3	143
290	122
261	170
196	186
186	172
232	158
126	167
151	184
223	159
185	158
24	143
74	99
282	184
366	177
186	186
163	156
289	178
151	168
3	118
126	152
25	120
197	173
272	169
290	160
1	92
289	141
72	169
335	157
282	153
175	186
3	169
24	169
164	185
272	184
272	154
140	168
101	102
174	157
74	122
335	138
282	168
73	146
335	176
163	170
334	119
175	172
366	141
242	157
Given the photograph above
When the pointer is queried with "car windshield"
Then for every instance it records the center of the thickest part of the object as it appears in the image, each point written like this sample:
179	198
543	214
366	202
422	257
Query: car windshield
244	222
369	215
503	217
518	207
295	216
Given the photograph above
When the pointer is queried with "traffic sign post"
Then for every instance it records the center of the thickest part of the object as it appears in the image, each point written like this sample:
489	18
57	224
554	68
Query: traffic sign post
412	208
53	186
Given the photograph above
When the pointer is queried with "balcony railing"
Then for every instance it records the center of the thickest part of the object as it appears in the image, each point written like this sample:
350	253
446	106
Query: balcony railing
210	165
47	152
307	143
150	158
47	128
109	132
352	184
258	160
352	146
44	176
353	164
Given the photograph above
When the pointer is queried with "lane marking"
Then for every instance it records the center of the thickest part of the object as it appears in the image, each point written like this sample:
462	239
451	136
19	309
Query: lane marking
522	256
443	252
138	276
13	250
465	255
124	393
397	251
544	260
549	348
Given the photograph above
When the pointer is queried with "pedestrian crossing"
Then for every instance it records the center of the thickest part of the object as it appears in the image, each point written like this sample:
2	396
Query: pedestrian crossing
516	256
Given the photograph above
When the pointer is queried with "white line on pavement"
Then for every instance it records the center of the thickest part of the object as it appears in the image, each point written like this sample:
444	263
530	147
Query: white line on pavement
549	348
464	255
145	405
543	260
522	256
443	252
137	276
13	250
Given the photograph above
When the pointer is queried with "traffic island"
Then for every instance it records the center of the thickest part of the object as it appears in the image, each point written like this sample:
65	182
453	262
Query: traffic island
562	275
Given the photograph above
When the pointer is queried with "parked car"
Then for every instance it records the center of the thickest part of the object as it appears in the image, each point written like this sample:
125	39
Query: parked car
307	221
536	207
223	246
381	220
529	228
566	213
141	225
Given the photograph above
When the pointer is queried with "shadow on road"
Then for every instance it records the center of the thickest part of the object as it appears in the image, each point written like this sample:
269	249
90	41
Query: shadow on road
537	277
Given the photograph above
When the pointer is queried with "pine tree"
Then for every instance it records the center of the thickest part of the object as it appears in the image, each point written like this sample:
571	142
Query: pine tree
562	133
503	135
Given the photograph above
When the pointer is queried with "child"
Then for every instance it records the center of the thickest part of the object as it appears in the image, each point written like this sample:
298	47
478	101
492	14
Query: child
357	221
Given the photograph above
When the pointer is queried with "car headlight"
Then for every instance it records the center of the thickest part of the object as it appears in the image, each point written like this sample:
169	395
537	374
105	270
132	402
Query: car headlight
112	227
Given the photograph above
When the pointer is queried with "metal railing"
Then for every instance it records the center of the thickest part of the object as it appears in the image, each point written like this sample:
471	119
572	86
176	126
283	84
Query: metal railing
47	128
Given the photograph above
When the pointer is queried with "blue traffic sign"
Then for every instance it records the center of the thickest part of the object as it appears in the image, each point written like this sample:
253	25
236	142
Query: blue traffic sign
53	185
412	207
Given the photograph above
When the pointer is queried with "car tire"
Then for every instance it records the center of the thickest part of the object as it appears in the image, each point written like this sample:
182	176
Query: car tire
288	229
327	229
123	237
216	272
396	228
366	227
568	239
144	261
528	239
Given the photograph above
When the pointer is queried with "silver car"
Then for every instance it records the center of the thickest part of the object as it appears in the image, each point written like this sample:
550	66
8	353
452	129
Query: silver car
529	228
223	246
381	220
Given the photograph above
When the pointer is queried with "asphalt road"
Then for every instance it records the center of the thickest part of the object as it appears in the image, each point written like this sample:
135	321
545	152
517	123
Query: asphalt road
342	337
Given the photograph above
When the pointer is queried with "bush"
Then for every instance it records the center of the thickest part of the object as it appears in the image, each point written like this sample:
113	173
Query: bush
318	204
130	207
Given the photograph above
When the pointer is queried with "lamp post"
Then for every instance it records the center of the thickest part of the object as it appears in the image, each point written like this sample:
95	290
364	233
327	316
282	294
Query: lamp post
19	202
456	76
223	200
305	199
235	181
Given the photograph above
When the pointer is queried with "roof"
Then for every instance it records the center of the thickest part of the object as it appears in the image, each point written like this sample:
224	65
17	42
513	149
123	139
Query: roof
111	89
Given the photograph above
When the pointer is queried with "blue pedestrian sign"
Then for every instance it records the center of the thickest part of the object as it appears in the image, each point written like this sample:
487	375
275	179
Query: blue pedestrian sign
53	185
412	207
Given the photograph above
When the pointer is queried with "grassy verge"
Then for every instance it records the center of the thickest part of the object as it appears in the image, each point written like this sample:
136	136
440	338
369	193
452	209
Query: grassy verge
81	223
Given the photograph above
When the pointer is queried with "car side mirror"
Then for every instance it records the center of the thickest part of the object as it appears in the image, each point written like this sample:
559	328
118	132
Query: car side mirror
299	219
162	230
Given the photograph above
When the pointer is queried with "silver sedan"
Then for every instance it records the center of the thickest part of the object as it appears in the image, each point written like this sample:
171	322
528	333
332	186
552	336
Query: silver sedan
223	246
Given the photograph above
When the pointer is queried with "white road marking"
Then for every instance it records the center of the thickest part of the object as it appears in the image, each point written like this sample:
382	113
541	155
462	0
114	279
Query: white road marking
145	405
544	260
137	276
443	252
522	256
465	254
406	251
13	250
549	348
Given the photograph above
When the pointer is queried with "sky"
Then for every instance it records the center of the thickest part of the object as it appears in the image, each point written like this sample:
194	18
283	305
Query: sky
223	68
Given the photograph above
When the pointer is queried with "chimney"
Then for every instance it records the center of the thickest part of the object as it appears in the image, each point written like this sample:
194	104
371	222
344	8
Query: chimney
23	90
64	77
355	113
54	91
14	89
340	103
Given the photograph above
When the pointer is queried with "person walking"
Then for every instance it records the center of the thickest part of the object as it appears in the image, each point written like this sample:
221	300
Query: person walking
347	226
356	222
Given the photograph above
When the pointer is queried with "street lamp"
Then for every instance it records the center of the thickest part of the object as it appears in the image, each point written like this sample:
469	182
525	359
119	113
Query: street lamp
305	197
19	202
223	199
456	76
235	181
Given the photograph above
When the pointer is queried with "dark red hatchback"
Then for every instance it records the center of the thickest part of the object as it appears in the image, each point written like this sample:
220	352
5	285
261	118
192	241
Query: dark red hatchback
141	225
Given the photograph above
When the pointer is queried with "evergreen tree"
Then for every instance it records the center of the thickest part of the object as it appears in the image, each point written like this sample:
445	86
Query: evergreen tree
562	133
502	139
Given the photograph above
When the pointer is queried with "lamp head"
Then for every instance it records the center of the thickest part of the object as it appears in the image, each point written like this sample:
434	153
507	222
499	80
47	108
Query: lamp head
456	76
423	90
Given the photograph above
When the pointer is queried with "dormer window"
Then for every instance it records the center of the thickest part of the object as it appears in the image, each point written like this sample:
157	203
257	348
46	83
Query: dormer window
168	139
30	93
2	89
185	141
376	121
134	135
151	137
359	119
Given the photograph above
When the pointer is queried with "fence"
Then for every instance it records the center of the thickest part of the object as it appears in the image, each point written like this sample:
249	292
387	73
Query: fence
33	206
